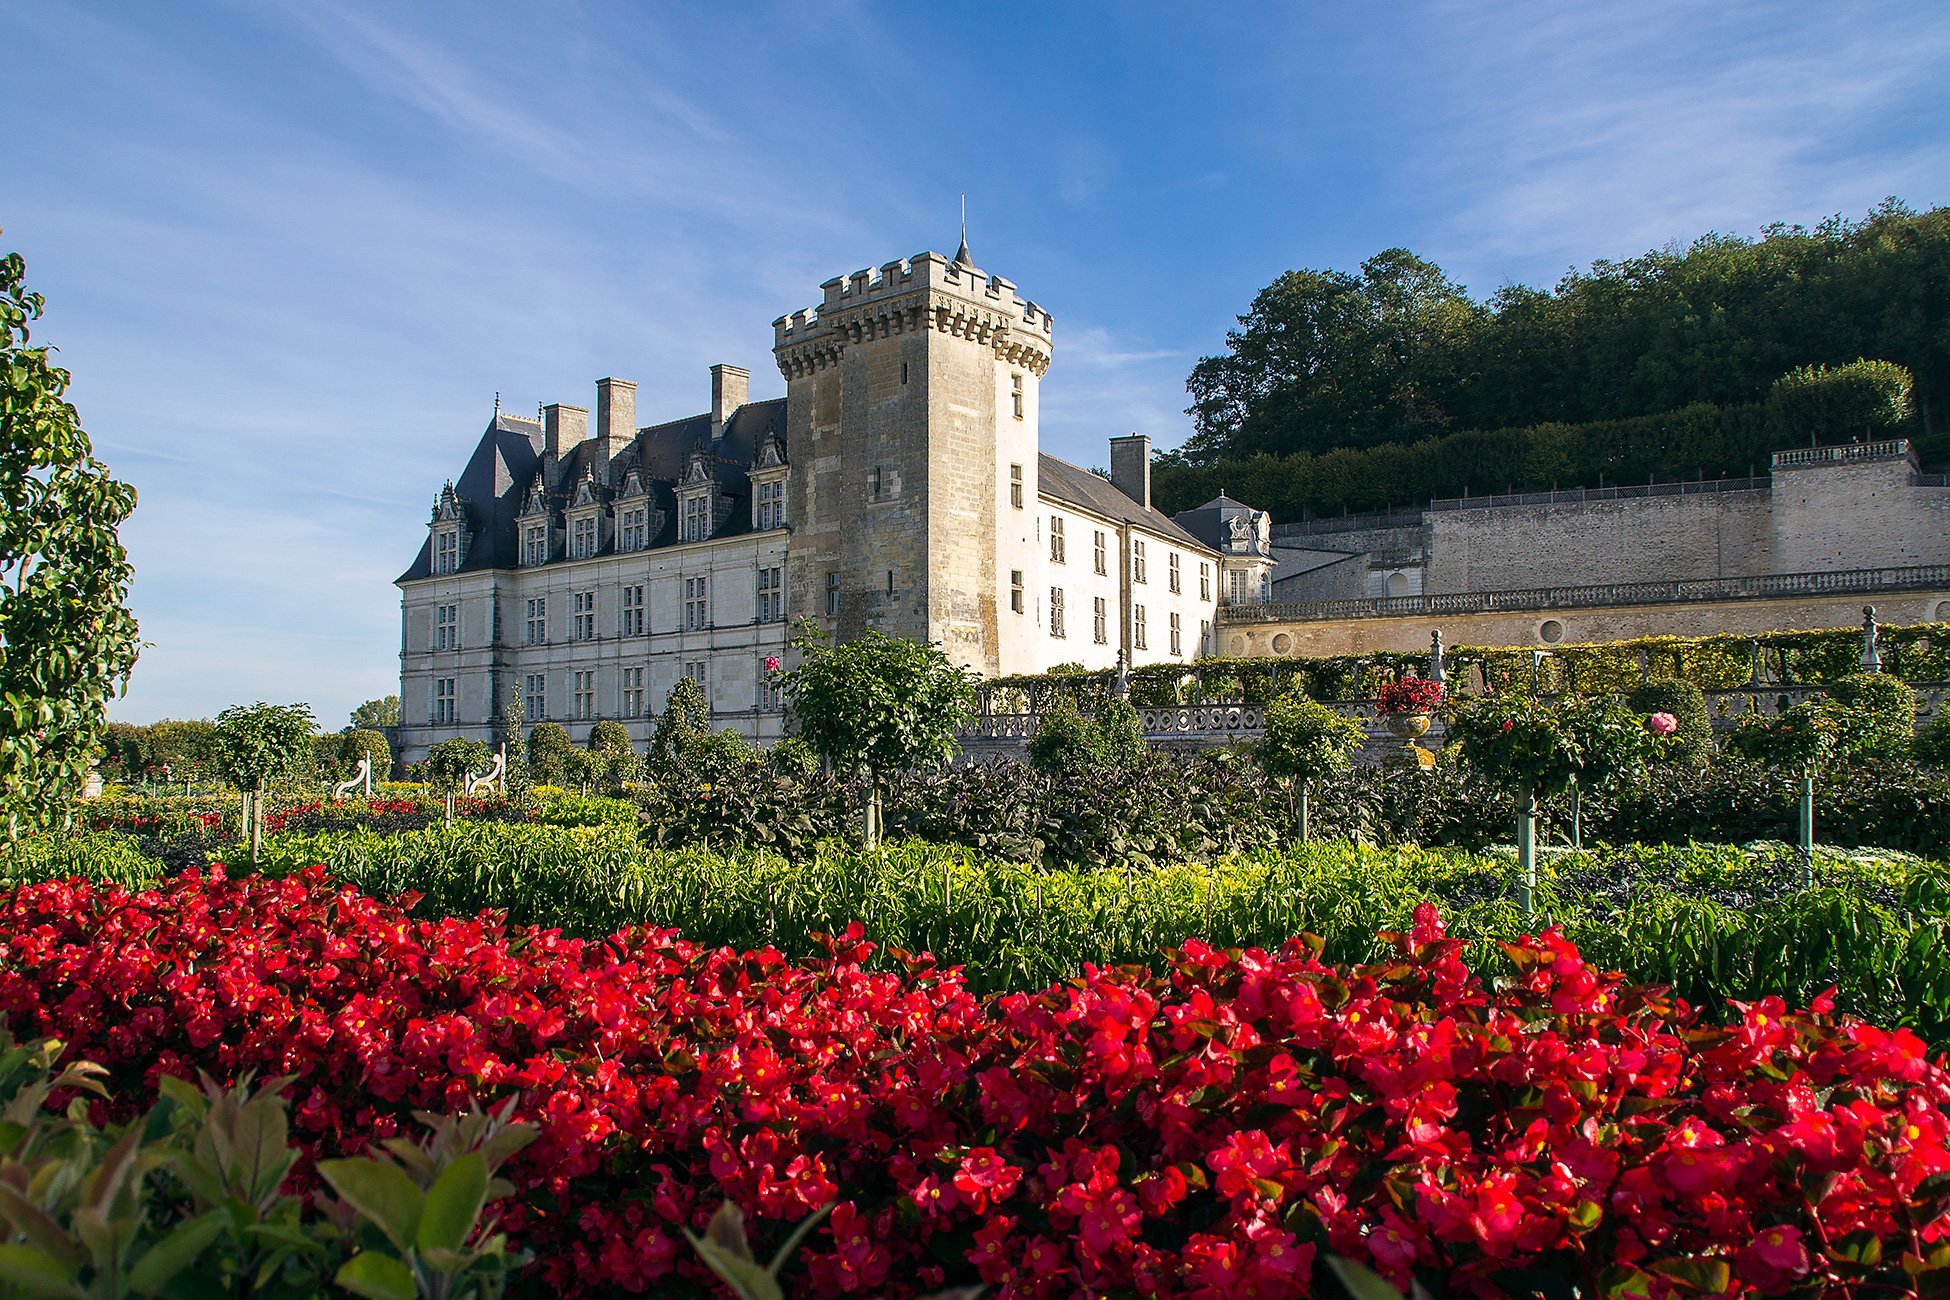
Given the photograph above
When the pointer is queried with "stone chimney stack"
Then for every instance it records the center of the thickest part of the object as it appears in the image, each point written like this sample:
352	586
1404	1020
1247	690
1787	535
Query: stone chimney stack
1130	467
615	416
562	428
731	388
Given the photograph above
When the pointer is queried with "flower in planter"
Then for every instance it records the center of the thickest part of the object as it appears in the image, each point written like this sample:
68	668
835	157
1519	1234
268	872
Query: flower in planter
1409	695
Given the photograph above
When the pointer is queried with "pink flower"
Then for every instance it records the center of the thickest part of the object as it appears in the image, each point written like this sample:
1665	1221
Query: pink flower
771	663
1662	724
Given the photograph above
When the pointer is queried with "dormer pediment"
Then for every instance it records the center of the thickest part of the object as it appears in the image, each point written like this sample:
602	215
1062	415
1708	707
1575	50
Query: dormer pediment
770	455
536	501
448	507
698	473
633	485
586	493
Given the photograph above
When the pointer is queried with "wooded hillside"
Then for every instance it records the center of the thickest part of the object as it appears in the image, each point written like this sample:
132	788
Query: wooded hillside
1391	384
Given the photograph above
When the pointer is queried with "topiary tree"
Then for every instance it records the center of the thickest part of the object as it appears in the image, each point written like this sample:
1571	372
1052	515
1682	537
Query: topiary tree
1123	731
67	642
720	756
449	763
793	757
256	744
1692	740
1799	740
1866	399
608	736
1607	744
371	745
1305	742
548	749
877	705
686	716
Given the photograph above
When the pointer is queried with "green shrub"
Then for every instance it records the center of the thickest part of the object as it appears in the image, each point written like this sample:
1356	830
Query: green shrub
1692	743
791	756
451	762
1933	743
609	736
548	749
104	857
366	743
717	757
686	716
1065	740
1880	719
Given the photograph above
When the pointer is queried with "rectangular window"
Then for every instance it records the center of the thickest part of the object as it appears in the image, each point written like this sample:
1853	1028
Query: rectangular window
771	505
697	519
632	623
1057	551
1137	626
697	604
1015	590
699	671
1176	647
875	480
1102	555
770	698
534	695
443	701
1204	636
1015	386
1015	486
583	544
1173	575
1056	612
584	627
538	621
771	595
636	529
585	696
1238	584
1204	580
832	595
446	627
534	546
633	701
446	552
1137	561
1100	622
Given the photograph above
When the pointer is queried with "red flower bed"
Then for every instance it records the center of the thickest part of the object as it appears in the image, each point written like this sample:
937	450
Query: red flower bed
1207	1135
1409	695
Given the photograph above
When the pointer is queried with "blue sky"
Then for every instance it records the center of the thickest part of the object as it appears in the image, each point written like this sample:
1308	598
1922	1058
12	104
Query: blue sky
292	251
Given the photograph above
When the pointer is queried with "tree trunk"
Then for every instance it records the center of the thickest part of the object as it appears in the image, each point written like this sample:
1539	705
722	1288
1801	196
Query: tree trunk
257	823
1306	829
1527	849
1577	815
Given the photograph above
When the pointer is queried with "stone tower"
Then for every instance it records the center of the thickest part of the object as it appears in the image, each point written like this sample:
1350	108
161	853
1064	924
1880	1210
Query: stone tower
911	418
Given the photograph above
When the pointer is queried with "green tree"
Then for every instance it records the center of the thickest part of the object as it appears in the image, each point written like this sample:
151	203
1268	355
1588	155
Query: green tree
258	743
1863	399
877	705
67	642
1692	743
382	712
451	762
548	749
367	744
1066	741
1306	742
686	716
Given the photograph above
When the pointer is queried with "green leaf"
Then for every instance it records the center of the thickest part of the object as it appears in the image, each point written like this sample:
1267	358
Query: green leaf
453	1203
35	1272
1362	1282
377	1277
380	1192
175	1252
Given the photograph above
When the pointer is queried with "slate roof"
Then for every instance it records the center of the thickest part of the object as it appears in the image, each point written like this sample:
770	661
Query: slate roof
1093	492
1211	523
505	461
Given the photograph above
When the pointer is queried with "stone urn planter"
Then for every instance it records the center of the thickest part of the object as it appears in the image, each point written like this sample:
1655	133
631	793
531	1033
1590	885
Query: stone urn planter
1406	726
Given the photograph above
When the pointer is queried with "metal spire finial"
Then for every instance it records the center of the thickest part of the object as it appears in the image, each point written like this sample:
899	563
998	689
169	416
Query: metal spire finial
497	401
961	254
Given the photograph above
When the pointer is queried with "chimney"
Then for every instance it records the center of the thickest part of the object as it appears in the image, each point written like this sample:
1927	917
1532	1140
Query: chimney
731	388
562	428
615	416
1130	467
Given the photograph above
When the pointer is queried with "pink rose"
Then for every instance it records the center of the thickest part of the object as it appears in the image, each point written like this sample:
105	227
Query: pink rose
771	663
1662	724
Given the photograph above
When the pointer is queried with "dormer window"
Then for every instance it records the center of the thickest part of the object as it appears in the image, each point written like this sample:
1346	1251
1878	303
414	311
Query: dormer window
770	506
446	550
636	528
697	519
534	545
582	539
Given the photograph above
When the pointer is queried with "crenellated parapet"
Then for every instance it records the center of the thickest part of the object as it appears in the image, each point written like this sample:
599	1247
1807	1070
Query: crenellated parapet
927	291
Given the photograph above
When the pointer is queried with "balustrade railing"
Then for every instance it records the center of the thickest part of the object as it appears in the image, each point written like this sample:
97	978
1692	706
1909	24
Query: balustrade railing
1922	577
